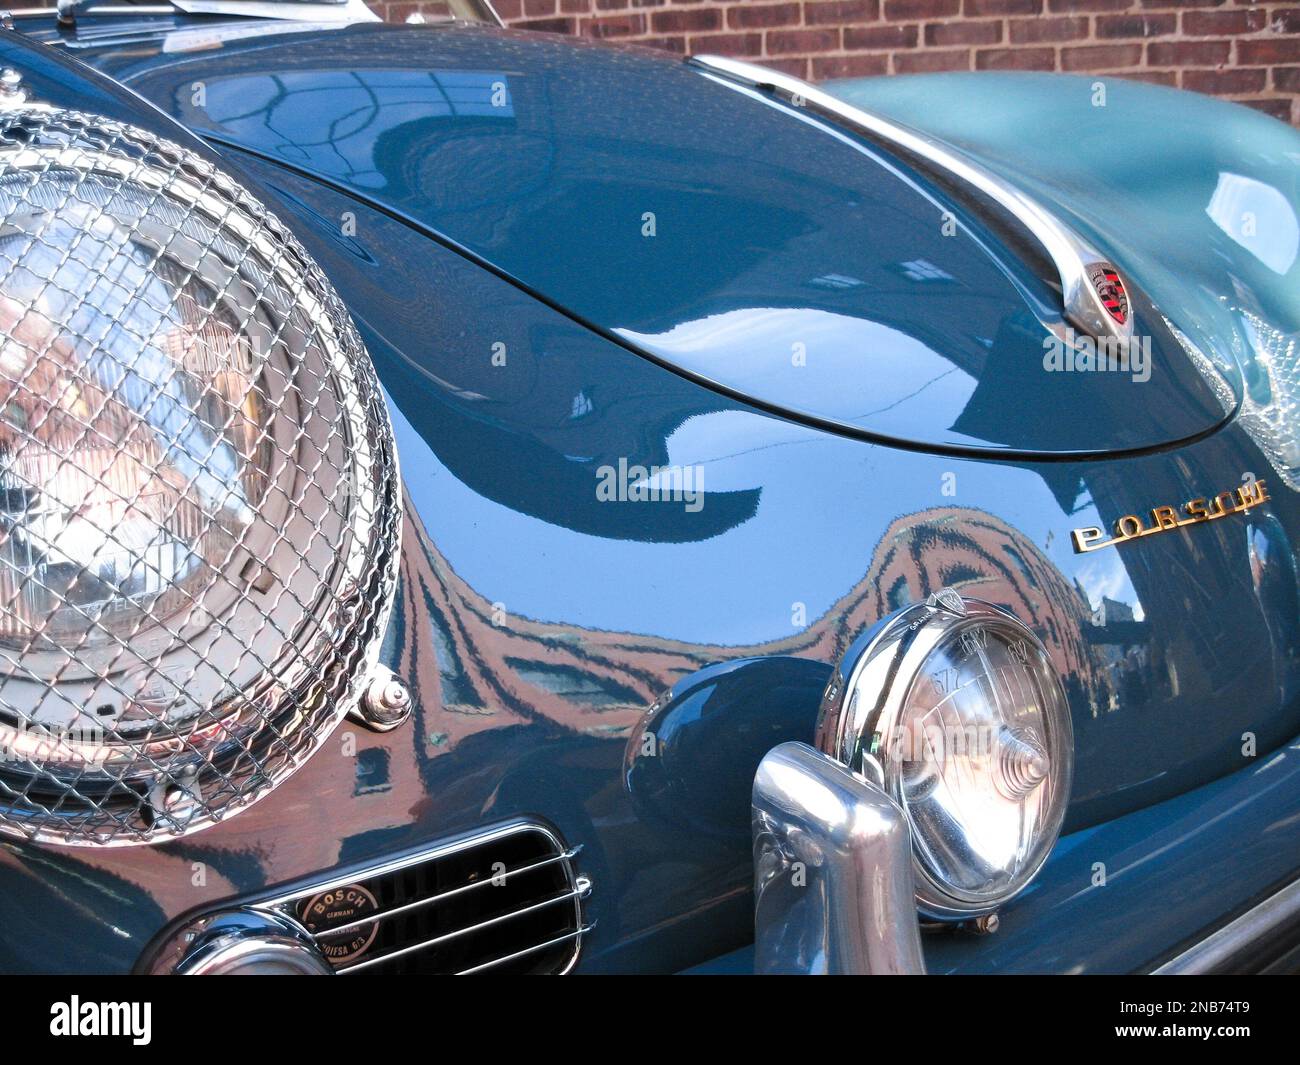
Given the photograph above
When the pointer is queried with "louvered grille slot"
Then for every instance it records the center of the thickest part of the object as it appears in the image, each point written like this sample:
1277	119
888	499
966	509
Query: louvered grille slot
509	901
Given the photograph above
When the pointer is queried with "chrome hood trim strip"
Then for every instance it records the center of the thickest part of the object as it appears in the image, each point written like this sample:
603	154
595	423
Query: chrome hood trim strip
1074	259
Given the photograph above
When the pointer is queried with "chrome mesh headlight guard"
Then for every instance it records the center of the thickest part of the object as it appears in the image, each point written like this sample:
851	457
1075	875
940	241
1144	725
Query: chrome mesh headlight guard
135	707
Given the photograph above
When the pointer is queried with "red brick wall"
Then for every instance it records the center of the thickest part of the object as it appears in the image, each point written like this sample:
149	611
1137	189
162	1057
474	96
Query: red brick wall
1240	49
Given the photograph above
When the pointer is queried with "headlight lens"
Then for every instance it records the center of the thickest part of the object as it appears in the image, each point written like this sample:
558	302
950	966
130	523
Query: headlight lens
136	448
954	708
199	501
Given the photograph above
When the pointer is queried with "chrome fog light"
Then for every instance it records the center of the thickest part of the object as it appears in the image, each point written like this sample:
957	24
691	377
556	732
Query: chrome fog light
954	709
199	502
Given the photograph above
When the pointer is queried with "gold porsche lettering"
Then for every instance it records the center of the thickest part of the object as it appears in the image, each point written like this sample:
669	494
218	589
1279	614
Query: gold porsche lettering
1166	518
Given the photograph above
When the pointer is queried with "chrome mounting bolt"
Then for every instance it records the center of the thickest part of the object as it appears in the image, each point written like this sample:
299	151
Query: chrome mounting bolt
11	88
386	702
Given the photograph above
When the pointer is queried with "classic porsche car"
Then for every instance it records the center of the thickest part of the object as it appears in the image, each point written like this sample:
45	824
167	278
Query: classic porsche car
479	501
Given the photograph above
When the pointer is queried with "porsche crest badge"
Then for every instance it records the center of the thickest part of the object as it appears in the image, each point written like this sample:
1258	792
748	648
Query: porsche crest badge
1110	290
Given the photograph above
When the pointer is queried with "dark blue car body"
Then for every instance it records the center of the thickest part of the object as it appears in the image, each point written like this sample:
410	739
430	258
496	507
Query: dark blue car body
646	247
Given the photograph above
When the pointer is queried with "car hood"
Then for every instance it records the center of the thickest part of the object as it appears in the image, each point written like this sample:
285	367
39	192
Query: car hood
739	241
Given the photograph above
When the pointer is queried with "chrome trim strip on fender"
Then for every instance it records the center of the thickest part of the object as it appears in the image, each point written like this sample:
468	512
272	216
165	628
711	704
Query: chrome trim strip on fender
1074	259
1237	937
832	871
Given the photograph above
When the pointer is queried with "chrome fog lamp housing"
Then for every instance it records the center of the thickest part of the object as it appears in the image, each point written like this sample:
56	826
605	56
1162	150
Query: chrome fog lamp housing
953	708
199	498
243	942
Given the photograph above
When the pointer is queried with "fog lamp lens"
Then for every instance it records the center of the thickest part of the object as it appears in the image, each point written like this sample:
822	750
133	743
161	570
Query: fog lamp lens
955	709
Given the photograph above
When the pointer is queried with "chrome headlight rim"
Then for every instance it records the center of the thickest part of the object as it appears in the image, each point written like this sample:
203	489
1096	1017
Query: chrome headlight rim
151	784
865	704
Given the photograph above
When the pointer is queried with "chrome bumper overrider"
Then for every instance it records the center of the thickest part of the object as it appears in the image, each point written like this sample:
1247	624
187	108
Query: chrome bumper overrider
832	871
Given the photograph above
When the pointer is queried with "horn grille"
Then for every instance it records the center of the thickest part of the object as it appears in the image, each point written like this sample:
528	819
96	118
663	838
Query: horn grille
505	899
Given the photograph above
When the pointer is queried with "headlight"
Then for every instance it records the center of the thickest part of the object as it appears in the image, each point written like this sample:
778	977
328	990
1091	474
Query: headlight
199	502
953	707
137	449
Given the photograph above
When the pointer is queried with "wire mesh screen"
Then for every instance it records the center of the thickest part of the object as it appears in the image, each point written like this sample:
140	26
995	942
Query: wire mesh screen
199	500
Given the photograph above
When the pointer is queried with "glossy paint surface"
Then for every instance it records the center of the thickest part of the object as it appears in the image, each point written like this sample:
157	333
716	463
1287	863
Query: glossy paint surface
743	242
1206	203
540	626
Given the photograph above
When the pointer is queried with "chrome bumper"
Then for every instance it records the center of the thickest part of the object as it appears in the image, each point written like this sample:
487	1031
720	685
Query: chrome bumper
832	871
1237	946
